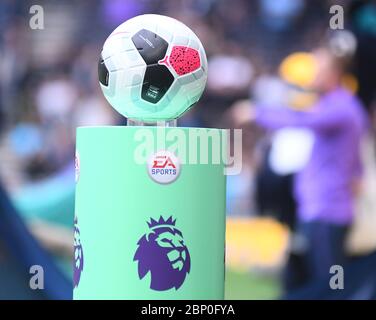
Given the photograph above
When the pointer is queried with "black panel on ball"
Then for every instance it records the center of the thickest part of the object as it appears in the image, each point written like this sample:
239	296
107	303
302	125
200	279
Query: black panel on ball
151	47
157	81
102	72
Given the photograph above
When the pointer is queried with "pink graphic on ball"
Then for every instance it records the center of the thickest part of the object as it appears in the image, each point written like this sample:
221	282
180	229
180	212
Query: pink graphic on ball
182	59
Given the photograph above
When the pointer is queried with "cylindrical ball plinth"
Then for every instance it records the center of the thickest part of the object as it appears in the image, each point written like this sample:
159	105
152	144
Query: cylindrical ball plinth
136	238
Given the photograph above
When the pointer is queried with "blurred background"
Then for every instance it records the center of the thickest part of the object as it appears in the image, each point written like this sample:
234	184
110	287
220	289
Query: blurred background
49	86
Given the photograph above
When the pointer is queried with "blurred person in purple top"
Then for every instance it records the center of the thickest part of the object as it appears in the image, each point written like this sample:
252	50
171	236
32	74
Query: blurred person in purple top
325	188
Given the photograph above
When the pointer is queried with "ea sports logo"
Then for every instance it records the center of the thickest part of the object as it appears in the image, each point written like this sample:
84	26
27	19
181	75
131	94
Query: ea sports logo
163	167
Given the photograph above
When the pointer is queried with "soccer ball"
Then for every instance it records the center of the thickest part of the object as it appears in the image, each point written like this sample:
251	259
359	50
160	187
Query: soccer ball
152	68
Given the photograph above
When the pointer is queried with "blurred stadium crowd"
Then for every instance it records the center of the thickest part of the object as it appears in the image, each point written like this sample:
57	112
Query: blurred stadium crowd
49	85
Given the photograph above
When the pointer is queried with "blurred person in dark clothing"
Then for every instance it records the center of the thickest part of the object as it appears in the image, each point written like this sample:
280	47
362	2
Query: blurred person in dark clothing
287	150
324	189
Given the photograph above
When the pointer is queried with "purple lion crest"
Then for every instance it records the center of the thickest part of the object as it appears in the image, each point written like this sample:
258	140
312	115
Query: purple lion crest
162	252
78	255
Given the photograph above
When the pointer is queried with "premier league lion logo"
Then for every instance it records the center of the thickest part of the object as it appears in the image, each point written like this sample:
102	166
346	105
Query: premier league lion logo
162	252
78	255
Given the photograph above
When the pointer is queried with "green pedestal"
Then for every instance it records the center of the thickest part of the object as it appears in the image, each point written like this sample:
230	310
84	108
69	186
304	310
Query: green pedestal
139	239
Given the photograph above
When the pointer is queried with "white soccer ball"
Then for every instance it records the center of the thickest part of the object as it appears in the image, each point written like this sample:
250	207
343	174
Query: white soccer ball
152	68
